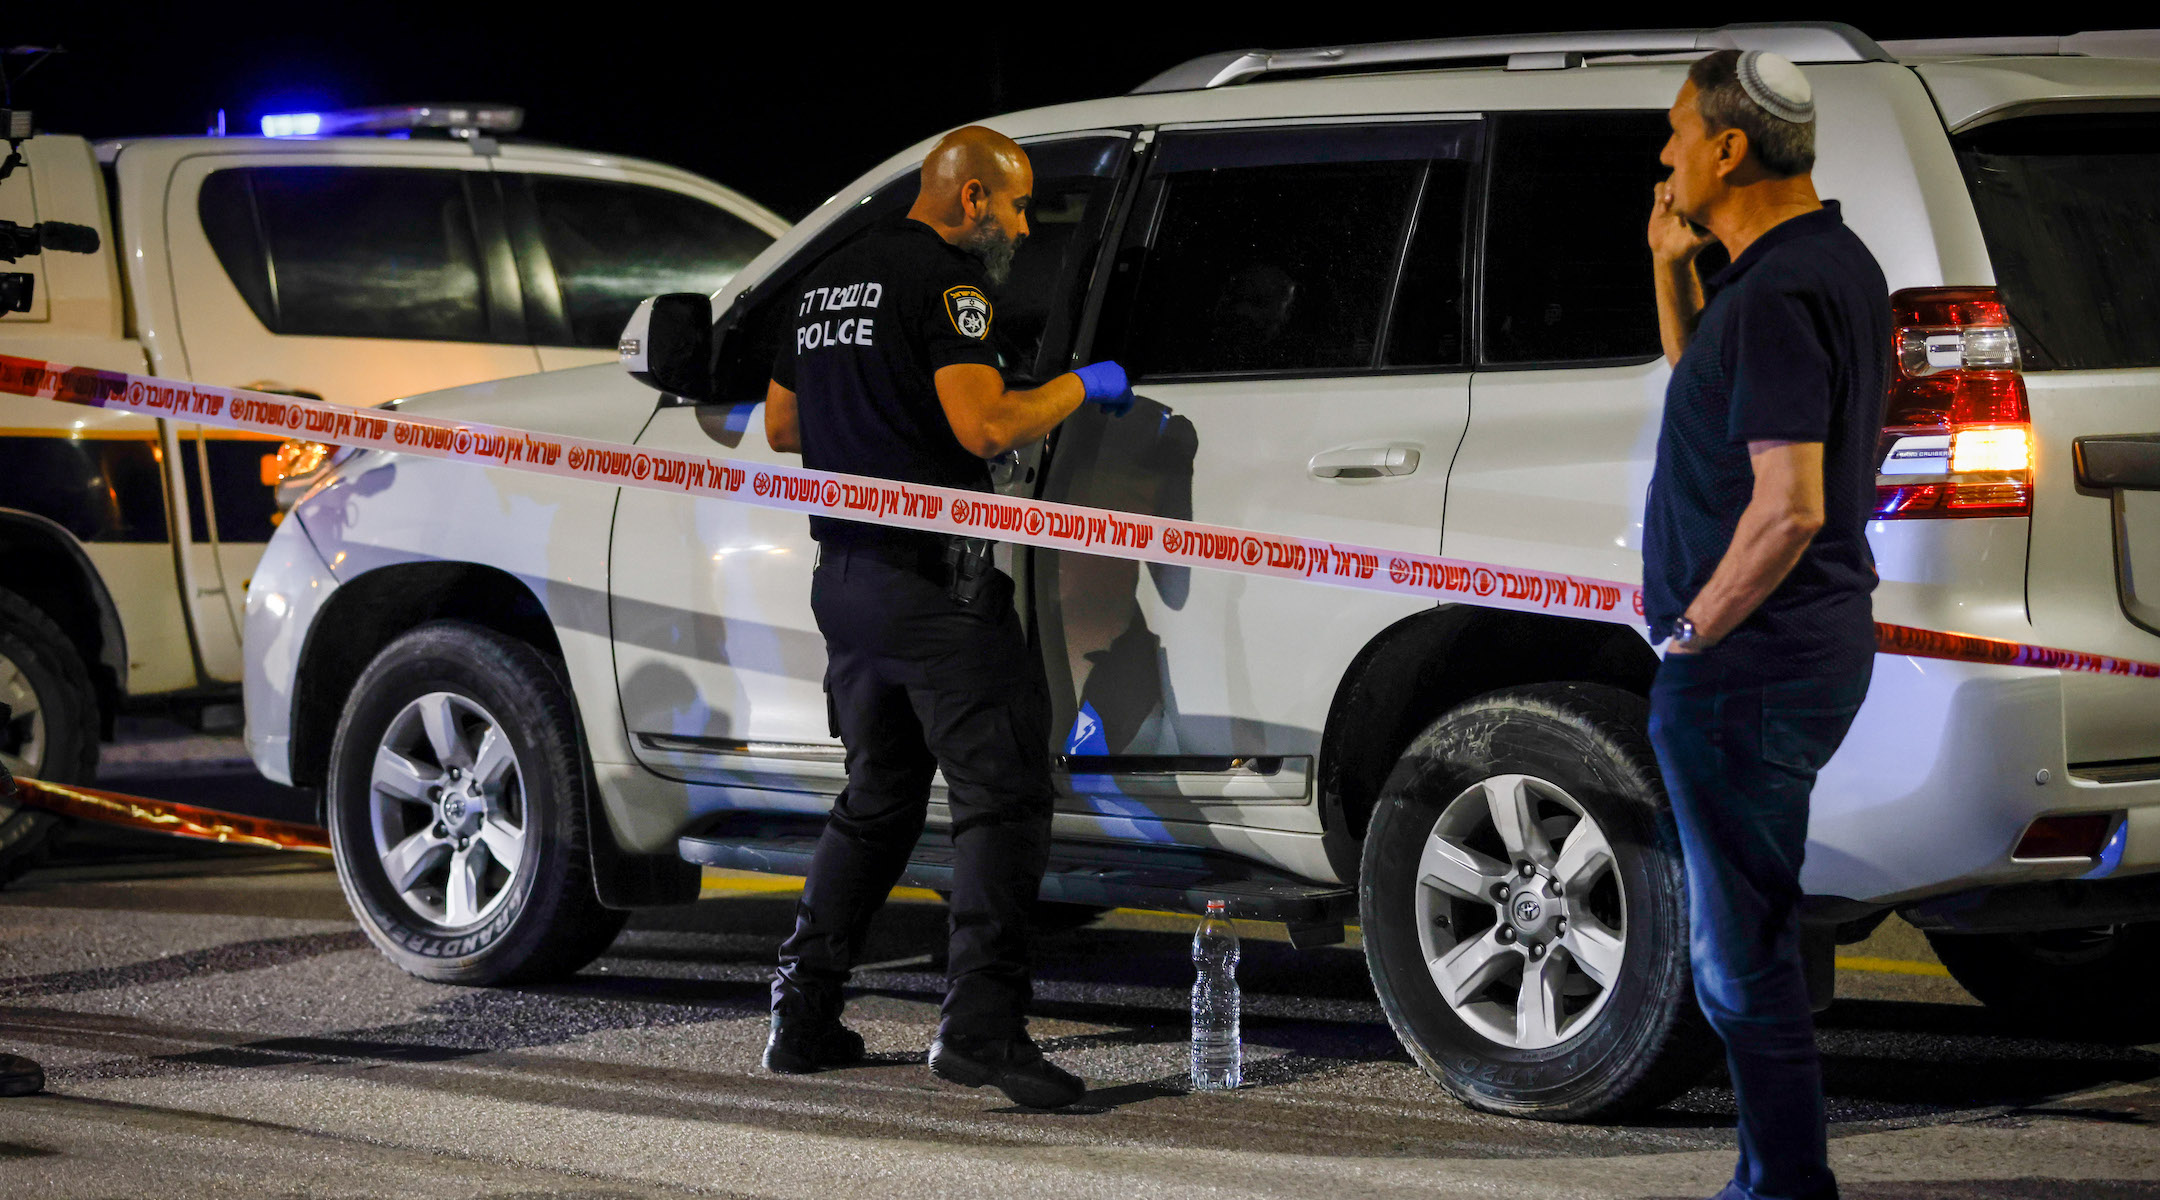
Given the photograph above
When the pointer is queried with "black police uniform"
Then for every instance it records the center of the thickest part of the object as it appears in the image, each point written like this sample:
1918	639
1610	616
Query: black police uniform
916	681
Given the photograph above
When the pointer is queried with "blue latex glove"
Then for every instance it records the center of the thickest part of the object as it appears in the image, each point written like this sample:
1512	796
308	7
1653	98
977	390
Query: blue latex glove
1107	387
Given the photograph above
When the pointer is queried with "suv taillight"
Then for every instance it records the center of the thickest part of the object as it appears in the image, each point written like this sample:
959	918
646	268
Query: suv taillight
1957	436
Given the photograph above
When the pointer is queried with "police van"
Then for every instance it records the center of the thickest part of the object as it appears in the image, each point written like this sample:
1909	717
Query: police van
352	256
1390	295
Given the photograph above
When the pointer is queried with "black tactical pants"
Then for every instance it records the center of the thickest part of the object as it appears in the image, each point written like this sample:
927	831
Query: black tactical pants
919	683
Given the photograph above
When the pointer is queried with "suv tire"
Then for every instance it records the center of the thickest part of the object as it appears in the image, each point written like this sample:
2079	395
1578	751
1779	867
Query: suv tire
2062	981
52	729
1567	990
458	767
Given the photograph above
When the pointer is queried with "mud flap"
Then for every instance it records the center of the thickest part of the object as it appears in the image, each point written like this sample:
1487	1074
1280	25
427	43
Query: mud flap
1818	958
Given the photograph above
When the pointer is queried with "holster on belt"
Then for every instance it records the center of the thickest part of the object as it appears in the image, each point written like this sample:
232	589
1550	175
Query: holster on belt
969	562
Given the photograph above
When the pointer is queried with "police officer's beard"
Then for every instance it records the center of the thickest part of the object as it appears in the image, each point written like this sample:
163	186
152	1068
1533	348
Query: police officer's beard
990	243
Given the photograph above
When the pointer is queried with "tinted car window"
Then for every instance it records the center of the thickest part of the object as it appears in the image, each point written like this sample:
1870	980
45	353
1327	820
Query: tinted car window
227	207
1075	179
103	489
1567	272
242	490
369	252
1277	250
613	244
1429	326
2070	208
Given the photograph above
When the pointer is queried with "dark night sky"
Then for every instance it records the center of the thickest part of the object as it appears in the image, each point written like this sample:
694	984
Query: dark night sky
764	107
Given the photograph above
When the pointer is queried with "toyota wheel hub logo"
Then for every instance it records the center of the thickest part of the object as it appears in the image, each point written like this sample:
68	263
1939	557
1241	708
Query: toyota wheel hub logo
1528	910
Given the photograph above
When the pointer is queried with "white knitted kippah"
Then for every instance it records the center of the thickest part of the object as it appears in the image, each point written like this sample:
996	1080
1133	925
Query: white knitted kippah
1772	81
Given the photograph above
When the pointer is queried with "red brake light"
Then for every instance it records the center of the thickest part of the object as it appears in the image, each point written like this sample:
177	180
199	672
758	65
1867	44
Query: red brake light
1957	433
2077	835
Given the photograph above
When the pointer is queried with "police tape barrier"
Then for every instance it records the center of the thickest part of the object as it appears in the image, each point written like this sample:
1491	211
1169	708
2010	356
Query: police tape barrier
1132	536
168	817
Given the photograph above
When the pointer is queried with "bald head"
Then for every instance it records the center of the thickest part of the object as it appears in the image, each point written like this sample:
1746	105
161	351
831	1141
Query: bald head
977	185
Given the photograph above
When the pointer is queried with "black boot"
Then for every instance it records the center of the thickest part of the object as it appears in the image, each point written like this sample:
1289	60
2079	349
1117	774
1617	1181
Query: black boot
1014	1066
801	1044
19	1076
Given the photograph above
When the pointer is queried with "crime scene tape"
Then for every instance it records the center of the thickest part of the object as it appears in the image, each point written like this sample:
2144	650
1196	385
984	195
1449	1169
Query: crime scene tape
1097	531
168	817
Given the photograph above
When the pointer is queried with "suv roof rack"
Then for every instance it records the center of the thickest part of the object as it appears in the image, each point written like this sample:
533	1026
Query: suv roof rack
2098	43
1801	41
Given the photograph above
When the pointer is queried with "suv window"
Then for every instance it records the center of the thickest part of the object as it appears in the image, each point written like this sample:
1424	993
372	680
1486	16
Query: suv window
613	244
1075	180
1567	272
387	252
2070	208
1280	250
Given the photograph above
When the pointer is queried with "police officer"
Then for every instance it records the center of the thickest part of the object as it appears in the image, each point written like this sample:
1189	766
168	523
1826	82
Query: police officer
891	372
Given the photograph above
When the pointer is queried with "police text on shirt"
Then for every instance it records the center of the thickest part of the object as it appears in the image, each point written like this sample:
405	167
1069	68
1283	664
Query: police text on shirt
849	331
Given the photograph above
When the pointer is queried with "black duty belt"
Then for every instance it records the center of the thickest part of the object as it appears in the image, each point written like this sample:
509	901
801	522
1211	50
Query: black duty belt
960	565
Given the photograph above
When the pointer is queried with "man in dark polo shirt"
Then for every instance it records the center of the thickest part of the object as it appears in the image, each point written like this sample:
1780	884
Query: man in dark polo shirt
1756	565
890	370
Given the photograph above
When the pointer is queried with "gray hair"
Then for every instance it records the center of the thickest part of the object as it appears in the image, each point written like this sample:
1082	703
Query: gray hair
1784	147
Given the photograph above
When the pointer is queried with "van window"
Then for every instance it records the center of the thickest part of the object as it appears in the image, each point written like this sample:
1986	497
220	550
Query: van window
386	252
613	244
1276	251
1567	271
103	487
2070	208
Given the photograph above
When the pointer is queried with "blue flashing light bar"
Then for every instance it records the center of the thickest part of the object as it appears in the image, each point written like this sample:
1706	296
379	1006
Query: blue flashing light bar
459	120
292	125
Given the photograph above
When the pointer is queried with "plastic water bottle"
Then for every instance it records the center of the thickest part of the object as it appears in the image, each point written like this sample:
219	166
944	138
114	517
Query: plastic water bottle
1218	1056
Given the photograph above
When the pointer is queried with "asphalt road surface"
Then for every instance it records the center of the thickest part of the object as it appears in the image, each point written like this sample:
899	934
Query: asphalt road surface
213	1024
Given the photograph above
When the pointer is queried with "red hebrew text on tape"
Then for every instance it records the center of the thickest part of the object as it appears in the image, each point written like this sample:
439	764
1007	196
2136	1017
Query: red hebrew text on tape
943	510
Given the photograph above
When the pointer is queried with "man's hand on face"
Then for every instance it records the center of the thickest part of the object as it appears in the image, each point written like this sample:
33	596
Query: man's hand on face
1672	239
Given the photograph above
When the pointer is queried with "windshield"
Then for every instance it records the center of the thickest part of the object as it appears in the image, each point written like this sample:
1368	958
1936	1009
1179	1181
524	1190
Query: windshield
2070	207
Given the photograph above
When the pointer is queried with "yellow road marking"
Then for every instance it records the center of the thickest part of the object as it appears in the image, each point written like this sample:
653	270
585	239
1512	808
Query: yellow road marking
719	883
1892	966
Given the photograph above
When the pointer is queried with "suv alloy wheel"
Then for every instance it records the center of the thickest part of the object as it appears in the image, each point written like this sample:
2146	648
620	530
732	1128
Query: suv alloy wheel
457	808
1523	911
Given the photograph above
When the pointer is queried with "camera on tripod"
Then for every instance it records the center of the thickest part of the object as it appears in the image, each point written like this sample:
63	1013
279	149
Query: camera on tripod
21	241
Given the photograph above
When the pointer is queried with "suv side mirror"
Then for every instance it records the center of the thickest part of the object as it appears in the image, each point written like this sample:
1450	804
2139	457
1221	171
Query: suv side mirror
668	344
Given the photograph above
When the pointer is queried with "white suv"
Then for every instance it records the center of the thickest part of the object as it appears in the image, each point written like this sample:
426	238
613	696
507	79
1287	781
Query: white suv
1391	295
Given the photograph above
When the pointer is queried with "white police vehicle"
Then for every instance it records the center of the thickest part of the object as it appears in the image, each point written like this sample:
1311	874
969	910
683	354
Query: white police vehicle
354	256
1395	295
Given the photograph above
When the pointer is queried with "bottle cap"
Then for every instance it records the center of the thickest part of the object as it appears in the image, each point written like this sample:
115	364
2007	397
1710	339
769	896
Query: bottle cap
1218	906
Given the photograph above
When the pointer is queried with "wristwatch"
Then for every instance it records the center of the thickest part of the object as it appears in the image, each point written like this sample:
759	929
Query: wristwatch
1684	633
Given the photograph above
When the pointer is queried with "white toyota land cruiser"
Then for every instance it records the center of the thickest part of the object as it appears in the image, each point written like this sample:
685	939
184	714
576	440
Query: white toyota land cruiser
1394	295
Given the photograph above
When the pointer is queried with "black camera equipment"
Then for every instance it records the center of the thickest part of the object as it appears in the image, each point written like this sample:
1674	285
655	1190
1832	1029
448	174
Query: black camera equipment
22	241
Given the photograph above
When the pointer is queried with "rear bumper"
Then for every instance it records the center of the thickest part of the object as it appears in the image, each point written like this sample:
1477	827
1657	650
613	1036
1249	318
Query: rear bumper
1945	767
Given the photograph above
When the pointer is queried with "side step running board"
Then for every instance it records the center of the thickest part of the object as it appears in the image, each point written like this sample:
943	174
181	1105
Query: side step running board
1109	876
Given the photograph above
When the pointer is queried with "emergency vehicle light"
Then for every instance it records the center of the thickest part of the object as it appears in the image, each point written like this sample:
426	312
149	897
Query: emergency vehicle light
459	120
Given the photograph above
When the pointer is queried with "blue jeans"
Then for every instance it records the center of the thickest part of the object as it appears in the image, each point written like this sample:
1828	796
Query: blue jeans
1739	753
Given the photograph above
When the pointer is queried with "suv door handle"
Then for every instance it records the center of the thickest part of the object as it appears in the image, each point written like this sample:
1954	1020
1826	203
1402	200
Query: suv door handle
2124	460
1364	462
